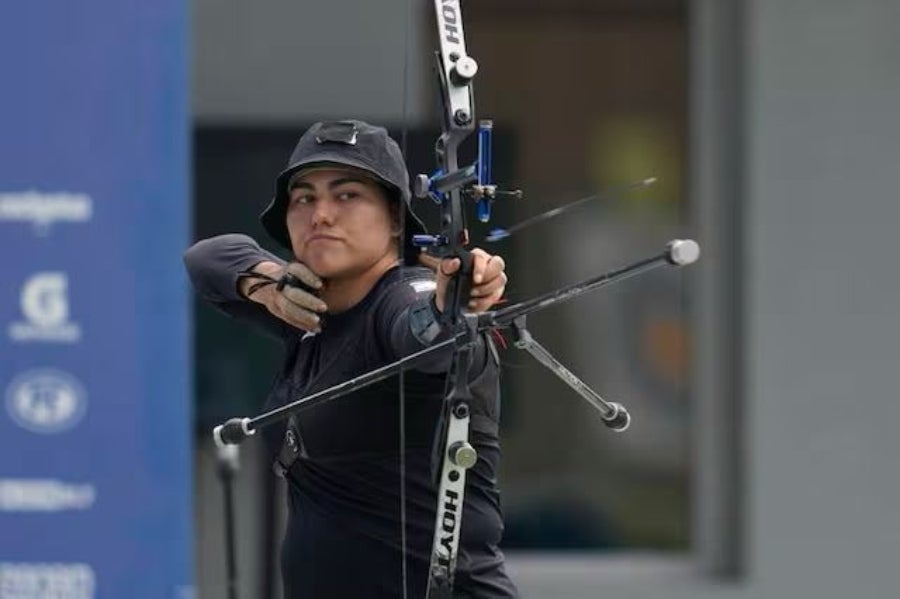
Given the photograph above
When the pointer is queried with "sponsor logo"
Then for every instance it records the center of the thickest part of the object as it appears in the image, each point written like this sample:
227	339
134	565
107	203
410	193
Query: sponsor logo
44	495
46	581
45	305
43	210
448	531
450	14
46	401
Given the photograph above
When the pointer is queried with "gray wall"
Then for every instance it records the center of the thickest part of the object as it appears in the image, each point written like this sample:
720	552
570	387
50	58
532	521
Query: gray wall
822	148
795	146
273	60
795	139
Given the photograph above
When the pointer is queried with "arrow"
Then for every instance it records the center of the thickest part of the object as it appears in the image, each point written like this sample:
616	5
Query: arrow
499	233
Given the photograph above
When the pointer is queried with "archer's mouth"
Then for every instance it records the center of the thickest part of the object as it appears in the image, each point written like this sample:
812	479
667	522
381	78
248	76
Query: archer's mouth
323	239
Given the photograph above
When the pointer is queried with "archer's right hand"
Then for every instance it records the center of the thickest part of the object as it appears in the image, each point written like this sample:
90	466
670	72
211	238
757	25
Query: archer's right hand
294	305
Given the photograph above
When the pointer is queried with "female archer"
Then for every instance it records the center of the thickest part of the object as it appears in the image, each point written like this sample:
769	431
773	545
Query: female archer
361	519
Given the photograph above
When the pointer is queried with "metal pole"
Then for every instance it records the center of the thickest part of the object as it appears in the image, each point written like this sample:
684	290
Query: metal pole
228	457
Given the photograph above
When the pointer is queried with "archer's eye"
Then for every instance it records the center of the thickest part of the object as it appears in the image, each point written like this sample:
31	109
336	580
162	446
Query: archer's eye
299	197
346	196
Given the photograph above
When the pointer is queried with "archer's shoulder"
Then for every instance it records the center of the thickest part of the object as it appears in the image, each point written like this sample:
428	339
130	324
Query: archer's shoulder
411	282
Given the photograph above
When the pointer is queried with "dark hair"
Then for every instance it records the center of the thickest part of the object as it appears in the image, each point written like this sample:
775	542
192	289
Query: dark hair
394	206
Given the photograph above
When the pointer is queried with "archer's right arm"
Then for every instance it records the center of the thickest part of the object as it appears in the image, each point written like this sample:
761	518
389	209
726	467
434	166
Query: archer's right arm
234	274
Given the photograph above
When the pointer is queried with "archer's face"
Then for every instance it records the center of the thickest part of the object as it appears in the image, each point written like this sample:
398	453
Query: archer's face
340	223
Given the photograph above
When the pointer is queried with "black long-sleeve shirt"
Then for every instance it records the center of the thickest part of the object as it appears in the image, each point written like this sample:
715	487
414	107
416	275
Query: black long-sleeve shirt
343	537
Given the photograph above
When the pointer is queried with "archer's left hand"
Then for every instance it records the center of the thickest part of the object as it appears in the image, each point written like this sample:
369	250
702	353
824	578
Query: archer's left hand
488	280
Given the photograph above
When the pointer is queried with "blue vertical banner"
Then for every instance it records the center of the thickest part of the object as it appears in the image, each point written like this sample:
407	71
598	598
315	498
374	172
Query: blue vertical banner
95	411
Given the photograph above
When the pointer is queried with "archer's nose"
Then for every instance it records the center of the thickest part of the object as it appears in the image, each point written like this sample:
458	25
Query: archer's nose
324	213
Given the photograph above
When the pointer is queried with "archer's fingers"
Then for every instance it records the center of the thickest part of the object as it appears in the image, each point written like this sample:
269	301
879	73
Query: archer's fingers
294	315
449	266
304	299
483	304
302	272
494	268
485	266
479	263
492	286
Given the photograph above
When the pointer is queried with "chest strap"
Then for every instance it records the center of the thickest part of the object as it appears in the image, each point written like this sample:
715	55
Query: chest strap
291	449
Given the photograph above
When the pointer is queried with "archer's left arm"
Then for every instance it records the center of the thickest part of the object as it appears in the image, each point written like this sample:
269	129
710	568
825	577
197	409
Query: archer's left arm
409	320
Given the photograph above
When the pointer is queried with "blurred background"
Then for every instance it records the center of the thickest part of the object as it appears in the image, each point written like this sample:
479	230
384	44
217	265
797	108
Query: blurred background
760	462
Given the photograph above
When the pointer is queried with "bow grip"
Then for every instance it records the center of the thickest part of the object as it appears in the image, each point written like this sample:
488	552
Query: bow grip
458	287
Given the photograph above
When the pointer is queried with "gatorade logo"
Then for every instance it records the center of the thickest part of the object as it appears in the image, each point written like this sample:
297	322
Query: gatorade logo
44	301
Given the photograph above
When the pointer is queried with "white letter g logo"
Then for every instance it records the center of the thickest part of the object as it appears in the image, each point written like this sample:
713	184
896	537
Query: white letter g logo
44	300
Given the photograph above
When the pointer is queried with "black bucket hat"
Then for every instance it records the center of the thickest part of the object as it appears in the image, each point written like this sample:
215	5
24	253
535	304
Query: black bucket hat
346	143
